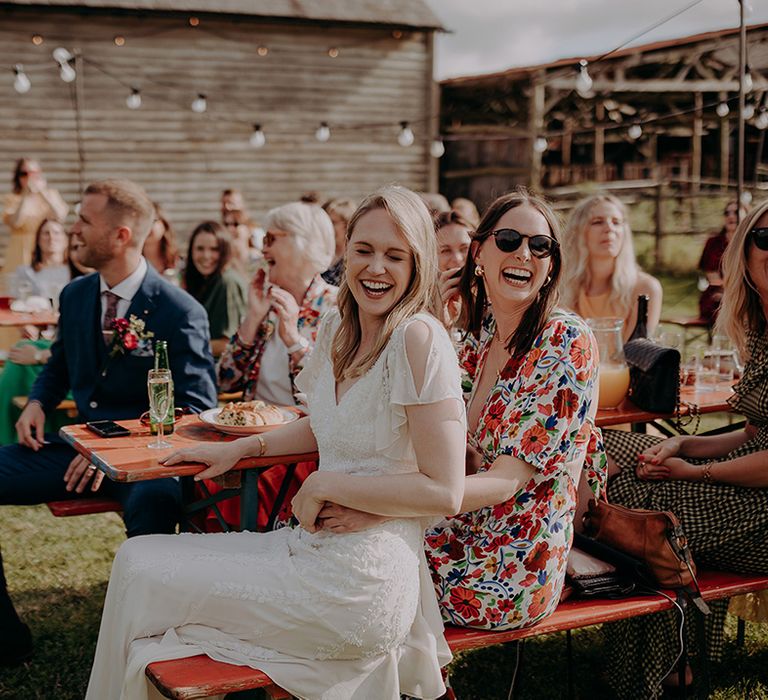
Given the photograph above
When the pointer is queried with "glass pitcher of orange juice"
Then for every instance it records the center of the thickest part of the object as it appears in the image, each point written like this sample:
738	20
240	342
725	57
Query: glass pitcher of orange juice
614	373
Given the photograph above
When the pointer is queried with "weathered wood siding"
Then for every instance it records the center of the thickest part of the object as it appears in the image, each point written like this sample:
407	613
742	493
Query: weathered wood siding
185	159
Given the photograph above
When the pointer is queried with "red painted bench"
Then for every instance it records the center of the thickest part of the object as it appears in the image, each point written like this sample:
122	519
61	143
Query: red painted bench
200	677
83	506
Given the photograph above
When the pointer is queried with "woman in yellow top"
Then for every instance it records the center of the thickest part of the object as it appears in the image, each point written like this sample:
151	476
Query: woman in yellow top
30	203
601	276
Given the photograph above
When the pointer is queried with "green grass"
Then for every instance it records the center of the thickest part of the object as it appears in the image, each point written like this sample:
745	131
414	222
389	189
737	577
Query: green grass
58	569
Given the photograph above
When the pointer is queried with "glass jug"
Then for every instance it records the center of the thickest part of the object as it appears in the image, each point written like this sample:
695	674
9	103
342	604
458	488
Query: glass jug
614	373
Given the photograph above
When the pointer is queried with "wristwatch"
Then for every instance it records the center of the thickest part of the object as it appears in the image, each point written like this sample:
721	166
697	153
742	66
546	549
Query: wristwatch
301	344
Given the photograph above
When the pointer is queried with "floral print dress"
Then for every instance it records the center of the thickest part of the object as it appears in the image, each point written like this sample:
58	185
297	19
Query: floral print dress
503	566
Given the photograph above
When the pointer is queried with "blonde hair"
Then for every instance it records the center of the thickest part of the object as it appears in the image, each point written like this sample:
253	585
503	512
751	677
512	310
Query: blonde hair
311	228
741	310
576	273
412	219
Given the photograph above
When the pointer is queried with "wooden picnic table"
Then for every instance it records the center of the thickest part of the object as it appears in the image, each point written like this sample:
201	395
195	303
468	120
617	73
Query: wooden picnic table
713	401
10	319
128	459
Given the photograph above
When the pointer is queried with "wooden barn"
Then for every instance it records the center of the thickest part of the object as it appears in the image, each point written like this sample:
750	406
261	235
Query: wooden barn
662	110
359	68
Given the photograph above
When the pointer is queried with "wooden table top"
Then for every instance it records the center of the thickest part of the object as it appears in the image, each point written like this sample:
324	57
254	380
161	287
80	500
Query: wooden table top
129	458
706	402
10	318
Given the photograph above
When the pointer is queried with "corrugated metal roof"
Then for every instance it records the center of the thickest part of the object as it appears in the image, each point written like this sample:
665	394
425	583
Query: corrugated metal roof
401	13
524	71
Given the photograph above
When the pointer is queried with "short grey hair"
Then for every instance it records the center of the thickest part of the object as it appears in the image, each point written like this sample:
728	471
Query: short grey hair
311	228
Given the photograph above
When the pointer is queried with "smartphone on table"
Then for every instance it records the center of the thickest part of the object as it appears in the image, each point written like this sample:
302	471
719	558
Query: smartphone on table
107	428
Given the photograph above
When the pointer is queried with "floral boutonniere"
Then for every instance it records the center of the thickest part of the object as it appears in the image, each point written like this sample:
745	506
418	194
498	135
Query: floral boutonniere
129	334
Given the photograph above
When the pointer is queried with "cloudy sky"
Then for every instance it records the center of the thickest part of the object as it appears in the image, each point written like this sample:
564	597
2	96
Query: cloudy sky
490	35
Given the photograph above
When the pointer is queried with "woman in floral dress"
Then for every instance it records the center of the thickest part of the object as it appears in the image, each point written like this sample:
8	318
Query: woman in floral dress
530	374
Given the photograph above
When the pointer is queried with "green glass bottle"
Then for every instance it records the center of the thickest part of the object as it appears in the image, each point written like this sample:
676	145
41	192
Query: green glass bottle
161	362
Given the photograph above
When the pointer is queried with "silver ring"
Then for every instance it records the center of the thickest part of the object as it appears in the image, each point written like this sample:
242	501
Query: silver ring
91	467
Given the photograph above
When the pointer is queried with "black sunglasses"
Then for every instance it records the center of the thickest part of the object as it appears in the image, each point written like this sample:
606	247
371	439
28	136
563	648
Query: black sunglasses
508	240
759	237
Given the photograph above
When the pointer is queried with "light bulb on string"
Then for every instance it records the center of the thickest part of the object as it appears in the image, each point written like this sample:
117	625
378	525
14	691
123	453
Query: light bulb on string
262	50
323	132
37	39
199	104
584	80
762	120
21	83
437	148
63	57
635	132
405	137
747	82
133	101
67	73
722	110
540	144
749	111
258	138
746	198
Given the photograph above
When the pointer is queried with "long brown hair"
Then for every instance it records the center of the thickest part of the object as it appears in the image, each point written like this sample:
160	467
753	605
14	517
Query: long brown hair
741	310
412	219
473	293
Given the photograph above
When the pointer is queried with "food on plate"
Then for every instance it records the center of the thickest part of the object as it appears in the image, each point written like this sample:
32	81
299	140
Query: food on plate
250	413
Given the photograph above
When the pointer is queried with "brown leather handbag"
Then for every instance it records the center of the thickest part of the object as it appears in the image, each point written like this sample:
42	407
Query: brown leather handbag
654	537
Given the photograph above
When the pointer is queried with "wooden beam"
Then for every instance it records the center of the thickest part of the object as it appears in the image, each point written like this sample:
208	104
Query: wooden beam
698	130
725	136
603	85
567	141
599	154
536	126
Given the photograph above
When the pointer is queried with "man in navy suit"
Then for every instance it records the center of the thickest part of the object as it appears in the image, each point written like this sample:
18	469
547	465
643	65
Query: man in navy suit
114	220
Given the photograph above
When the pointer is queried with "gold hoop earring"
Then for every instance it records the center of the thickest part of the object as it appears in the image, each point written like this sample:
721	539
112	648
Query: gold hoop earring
479	271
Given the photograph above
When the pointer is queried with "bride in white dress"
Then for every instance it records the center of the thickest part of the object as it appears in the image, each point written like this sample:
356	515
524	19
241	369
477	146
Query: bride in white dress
327	616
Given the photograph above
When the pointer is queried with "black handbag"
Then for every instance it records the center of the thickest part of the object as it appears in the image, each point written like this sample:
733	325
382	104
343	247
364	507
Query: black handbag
654	375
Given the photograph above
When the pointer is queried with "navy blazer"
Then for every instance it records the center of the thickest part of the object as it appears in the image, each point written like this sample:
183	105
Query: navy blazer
116	387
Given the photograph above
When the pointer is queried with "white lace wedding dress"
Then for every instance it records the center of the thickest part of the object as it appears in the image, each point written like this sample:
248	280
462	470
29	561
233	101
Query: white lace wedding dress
326	616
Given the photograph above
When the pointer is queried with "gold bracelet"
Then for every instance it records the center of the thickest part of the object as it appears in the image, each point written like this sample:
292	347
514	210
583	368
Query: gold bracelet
262	446
706	473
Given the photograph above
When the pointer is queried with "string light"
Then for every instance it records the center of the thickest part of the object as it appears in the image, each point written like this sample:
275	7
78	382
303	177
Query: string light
199	104
584	79
63	57
133	101
119	40
437	148
722	110
258	138
397	34
333	52
540	144
762	120
747	81
405	137
635	132
749	111
323	132
21	83
262	50
194	21
37	39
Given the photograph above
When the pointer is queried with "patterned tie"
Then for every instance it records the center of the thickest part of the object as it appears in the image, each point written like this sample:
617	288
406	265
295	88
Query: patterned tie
109	315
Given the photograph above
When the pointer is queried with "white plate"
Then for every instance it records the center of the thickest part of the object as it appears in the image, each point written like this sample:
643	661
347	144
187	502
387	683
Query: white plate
211	414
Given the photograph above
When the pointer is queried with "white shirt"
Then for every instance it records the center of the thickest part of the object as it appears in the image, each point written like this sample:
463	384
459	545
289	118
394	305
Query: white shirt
126	290
274	385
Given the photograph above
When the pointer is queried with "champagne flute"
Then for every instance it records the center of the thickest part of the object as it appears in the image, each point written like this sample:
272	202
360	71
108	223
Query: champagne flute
160	389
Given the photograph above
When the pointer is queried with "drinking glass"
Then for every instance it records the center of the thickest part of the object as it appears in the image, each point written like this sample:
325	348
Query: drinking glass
613	372
708	371
160	390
